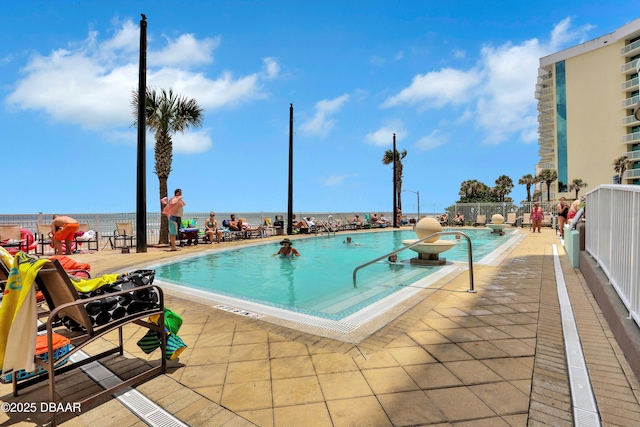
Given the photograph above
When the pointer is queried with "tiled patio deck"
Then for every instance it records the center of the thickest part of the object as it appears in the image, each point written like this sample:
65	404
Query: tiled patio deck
493	358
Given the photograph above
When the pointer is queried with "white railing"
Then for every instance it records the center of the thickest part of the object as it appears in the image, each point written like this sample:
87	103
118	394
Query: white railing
613	239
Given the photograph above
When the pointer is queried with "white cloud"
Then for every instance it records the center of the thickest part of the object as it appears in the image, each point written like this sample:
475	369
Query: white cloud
436	89
434	140
184	51
333	180
383	137
321	123
497	92
90	83
459	53
192	142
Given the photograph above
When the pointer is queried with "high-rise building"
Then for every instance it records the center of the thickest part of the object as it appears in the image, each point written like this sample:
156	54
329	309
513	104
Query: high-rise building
586	95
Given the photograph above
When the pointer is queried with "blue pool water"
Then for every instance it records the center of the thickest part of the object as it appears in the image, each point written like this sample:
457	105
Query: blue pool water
319	282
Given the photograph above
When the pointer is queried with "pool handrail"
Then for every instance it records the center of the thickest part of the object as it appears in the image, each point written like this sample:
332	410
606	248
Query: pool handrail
440	233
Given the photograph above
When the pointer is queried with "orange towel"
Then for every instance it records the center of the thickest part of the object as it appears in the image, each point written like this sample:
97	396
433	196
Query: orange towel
70	264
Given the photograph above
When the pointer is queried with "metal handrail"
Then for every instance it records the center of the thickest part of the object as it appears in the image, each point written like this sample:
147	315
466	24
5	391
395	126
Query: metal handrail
440	233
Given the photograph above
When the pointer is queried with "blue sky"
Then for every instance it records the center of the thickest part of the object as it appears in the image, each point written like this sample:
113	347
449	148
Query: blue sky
453	80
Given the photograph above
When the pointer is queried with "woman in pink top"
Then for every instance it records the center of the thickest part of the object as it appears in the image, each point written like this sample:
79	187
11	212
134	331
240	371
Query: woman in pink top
536	217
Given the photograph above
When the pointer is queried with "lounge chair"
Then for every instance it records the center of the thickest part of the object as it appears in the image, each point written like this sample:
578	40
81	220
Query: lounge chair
480	220
123	233
89	237
63	300
42	237
15	239
511	218
546	221
526	220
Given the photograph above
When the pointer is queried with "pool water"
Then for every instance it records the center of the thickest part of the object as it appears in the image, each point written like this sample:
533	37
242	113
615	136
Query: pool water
320	281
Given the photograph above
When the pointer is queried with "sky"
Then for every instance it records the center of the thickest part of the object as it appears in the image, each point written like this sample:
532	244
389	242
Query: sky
454	81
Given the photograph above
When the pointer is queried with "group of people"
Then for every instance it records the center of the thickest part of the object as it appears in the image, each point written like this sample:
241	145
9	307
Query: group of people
567	212
173	209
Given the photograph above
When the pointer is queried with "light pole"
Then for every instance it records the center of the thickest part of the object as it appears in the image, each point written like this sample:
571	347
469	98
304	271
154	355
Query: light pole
417	193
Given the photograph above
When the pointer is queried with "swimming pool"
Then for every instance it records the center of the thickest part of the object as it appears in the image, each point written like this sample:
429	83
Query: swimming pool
319	283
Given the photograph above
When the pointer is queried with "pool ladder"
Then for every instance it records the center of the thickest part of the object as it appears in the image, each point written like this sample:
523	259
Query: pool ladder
440	233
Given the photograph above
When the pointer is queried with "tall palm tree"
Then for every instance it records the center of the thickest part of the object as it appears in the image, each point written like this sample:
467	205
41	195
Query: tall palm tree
528	180
548	176
387	159
504	185
576	185
536	195
167	113
620	165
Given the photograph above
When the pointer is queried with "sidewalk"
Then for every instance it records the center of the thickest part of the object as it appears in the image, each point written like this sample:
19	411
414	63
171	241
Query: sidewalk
495	357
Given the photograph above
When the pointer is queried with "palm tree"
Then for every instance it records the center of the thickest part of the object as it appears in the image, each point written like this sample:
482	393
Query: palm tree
620	165
504	185
576	185
528	180
548	176
536	195
387	159
167	113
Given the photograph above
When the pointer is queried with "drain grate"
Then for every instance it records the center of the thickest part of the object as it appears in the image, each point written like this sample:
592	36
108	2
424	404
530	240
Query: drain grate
145	409
585	410
238	311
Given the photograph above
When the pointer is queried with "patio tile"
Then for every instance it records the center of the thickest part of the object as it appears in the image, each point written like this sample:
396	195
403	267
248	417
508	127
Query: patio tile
472	372
459	403
411	356
313	414
344	385
361	411
447	352
410	408
291	367
389	380
432	376
494	396
296	391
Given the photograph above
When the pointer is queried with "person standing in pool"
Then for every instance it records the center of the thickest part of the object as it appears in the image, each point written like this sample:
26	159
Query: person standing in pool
287	251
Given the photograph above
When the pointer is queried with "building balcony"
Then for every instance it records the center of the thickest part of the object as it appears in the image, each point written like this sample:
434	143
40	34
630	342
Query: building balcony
546	106
630	102
633	155
632	137
543	151
630	85
547	165
629	67
631	49
631	173
630	120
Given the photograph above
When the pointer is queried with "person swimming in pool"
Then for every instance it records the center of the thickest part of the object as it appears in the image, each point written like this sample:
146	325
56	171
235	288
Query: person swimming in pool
287	251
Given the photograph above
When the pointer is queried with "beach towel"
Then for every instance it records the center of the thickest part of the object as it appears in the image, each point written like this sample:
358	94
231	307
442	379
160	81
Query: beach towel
175	344
111	308
18	315
70	264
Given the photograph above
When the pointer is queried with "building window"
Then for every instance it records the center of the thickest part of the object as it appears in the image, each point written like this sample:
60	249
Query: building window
561	126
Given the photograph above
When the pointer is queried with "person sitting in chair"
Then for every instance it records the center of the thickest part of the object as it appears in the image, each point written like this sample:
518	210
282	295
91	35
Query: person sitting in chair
211	229
459	219
356	220
306	224
444	218
239	225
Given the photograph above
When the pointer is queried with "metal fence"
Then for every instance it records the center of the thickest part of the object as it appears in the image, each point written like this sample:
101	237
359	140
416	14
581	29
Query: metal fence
105	223
472	210
613	239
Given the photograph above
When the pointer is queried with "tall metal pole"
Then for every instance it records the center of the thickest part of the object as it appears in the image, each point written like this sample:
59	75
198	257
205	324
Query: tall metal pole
418	193
141	196
394	211
290	206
